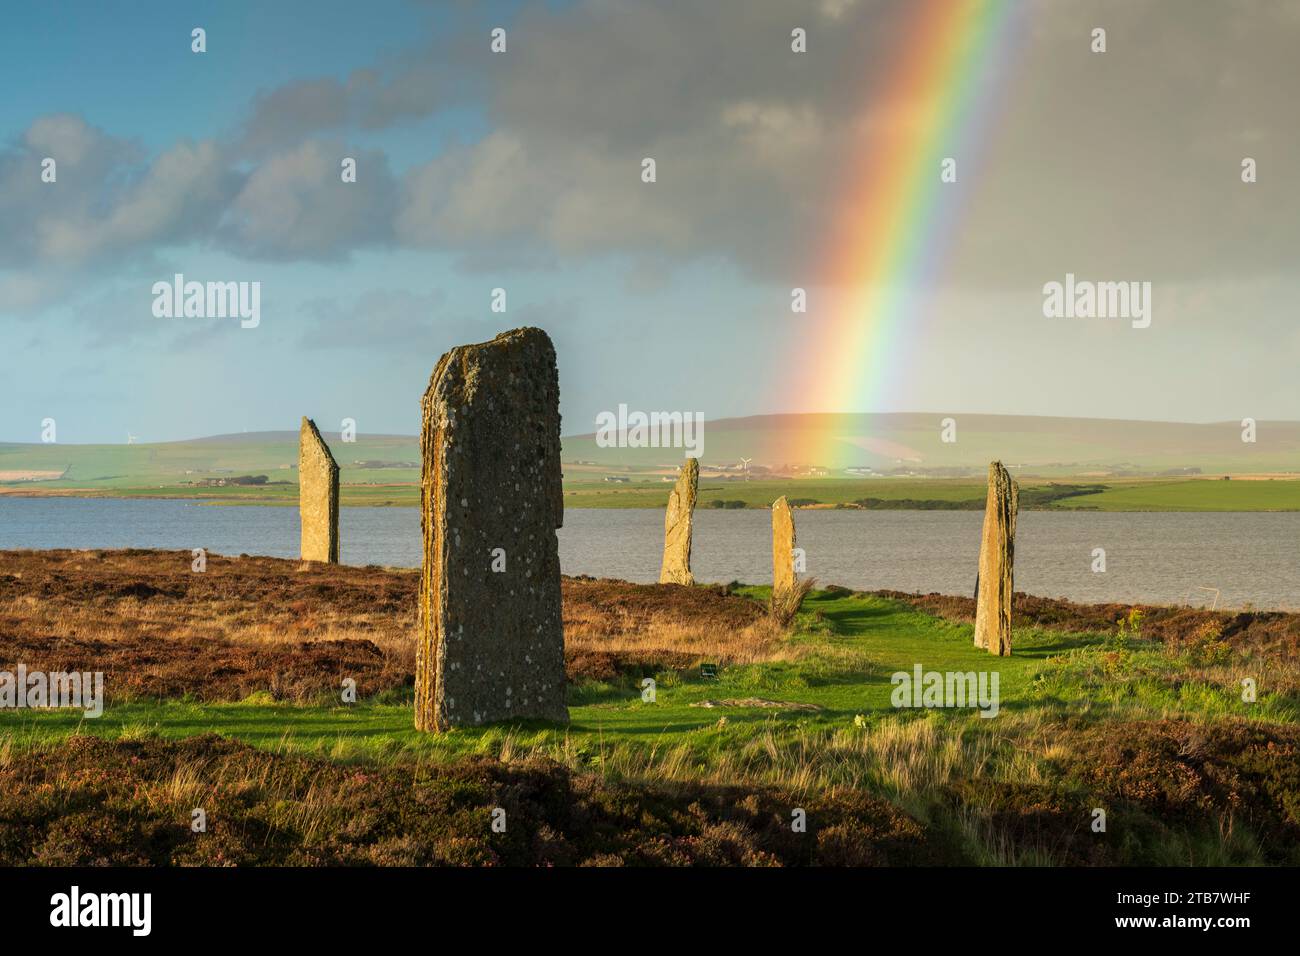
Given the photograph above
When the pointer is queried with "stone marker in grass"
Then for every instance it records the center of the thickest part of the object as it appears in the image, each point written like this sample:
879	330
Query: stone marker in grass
318	496
491	642
677	526
993	586
783	578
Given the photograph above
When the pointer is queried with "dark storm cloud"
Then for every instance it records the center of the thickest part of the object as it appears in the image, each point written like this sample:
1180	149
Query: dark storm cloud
1122	162
1126	163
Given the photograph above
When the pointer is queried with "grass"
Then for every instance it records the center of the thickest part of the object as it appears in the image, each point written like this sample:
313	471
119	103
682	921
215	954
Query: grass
159	471
1194	495
839	662
1121	495
1116	494
1154	730
653	493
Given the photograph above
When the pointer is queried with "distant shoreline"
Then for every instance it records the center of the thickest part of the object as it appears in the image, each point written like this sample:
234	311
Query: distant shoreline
1263	493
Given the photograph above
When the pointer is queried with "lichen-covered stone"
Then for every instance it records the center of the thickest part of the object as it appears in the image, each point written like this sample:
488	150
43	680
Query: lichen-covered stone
993	586
318	496
491	642
677	526
783	576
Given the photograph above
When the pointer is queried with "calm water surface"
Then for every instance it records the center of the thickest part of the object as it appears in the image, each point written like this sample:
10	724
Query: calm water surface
1161	558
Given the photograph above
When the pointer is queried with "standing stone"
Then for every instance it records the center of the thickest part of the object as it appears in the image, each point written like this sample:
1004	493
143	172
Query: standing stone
491	644
783	579
318	496
677	526
993	586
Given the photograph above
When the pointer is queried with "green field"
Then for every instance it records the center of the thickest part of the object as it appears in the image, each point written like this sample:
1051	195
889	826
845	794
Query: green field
1052	447
847	647
1075	712
180	469
1180	494
139	468
1194	495
362	495
761	493
854	648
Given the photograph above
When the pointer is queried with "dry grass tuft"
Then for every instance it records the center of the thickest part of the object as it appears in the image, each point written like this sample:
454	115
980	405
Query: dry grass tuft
786	602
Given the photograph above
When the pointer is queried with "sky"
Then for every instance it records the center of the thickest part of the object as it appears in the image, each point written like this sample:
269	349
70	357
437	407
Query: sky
522	171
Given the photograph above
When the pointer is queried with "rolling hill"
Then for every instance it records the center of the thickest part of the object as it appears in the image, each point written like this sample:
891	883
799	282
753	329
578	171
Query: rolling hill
898	444
912	443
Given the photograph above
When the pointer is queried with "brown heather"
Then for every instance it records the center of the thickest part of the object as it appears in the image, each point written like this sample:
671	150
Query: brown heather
1272	633
254	624
906	791
1177	791
127	803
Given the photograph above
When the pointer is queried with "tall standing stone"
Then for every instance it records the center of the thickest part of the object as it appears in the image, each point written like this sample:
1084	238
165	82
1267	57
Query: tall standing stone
993	586
318	496
677	526
783	578
491	643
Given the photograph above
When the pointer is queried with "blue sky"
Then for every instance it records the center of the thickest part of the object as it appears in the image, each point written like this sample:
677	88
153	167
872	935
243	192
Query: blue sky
521	171
129	68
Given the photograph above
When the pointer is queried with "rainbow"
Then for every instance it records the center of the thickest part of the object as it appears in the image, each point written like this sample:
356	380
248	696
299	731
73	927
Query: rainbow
898	217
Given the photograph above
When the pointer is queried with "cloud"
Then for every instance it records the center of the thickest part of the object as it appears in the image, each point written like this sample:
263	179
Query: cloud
178	197
294	111
111	210
295	205
87	160
1120	165
485	192
1116	163
382	319
366	100
405	323
108	209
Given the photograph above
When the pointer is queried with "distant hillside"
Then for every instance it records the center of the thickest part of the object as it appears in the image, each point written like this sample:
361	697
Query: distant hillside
383	458
890	443
285	437
912	442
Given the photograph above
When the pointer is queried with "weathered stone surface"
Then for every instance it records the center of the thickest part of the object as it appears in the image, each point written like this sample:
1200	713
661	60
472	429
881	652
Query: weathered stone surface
783	578
993	586
677	526
491	642
318	496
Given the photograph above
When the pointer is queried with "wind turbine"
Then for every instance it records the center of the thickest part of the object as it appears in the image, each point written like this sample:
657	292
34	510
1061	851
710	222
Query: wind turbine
745	465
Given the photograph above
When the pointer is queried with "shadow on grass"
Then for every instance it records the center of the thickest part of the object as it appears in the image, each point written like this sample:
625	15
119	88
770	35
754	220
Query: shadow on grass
848	618
1039	652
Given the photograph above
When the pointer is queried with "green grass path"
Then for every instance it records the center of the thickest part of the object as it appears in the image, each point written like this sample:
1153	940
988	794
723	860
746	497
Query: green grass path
844	653
850	655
